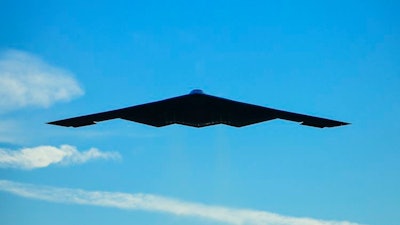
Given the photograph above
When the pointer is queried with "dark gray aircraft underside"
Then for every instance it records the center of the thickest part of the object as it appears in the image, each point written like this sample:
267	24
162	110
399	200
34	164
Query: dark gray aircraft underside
198	110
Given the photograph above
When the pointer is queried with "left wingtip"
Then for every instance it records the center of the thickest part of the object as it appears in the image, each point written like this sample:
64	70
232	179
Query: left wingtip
323	125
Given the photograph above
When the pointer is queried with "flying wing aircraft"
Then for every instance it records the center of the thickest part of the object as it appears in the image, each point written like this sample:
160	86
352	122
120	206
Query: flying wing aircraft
197	109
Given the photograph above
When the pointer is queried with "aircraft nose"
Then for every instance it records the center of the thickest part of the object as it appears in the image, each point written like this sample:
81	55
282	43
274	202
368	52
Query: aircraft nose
196	91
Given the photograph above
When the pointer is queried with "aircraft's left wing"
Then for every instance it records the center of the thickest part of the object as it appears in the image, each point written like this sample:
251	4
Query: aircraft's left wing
305	119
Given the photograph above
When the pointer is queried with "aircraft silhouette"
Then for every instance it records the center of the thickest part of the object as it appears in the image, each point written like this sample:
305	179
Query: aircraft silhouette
197	109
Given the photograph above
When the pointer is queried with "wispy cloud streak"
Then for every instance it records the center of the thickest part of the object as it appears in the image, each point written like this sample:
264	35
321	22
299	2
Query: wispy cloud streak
157	203
43	156
26	80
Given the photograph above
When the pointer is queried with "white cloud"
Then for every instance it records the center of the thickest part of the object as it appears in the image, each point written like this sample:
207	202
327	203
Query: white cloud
26	80
157	203
43	156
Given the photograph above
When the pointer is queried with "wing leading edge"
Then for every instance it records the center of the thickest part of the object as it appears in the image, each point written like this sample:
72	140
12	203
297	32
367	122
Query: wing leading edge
198	110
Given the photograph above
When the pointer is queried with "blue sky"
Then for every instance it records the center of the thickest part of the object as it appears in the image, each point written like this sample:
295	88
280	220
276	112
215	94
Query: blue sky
339	60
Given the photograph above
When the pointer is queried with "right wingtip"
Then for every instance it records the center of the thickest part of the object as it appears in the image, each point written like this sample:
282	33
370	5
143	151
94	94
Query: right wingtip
59	123
71	123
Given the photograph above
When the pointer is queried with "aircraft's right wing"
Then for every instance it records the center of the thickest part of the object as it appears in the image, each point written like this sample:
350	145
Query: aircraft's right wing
87	119
150	113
